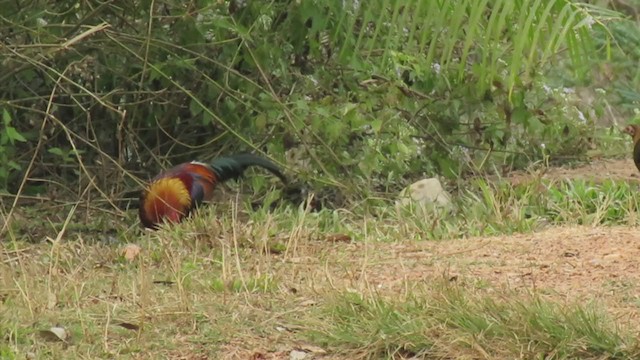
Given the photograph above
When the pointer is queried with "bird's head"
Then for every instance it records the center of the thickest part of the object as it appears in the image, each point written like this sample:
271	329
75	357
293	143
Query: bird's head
630	129
633	131
166	199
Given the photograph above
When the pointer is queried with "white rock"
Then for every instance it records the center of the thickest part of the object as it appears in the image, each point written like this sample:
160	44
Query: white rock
425	192
55	333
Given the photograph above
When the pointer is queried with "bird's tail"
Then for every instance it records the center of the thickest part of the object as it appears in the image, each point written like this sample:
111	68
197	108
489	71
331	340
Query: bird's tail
232	167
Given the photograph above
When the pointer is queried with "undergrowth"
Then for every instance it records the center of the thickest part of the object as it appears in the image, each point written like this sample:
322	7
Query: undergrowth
480	207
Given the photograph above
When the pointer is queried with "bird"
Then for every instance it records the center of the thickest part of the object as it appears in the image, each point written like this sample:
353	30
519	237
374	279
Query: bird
634	132
173	194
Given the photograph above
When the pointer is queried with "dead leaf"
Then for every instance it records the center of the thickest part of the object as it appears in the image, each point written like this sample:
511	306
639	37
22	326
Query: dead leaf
55	333
129	326
281	328
131	251
338	238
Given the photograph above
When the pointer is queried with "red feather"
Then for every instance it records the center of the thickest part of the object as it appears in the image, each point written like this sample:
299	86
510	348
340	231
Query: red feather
200	175
174	193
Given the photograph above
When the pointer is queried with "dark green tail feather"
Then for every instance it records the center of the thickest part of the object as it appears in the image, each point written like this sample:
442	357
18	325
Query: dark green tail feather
232	167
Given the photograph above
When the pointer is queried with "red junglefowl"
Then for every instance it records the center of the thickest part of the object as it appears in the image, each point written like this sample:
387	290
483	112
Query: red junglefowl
173	194
634	131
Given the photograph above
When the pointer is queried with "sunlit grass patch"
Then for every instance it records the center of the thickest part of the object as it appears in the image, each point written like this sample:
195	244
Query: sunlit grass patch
450	321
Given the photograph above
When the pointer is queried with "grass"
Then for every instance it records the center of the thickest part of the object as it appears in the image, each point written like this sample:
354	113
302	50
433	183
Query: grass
455	321
231	283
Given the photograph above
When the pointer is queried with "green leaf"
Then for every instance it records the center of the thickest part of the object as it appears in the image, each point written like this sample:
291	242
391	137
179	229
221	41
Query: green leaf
535	125
403	149
349	107
155	72
14	165
261	122
195	108
57	151
206	118
449	167
188	31
6	117
520	115
14	135
376	125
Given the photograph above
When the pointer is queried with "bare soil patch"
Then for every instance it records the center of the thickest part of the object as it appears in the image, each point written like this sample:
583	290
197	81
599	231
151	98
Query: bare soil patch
566	265
570	263
598	171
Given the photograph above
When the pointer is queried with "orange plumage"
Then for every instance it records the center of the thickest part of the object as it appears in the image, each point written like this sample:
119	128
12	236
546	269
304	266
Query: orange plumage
173	194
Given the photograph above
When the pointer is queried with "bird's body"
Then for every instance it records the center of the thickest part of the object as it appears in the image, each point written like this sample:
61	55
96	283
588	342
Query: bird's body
173	194
634	132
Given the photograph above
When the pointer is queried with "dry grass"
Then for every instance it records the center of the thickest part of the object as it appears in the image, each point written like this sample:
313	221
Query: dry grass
332	285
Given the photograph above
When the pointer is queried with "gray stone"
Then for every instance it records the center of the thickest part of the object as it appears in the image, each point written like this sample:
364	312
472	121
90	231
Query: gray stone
425	192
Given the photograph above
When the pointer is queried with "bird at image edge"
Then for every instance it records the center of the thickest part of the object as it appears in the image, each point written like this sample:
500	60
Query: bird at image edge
174	193
634	132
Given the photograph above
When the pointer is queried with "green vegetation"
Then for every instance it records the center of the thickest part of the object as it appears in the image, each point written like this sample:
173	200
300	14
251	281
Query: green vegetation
326	87
356	102
472	324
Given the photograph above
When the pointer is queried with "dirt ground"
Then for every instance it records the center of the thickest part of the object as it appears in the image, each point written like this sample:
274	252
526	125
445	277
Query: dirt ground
567	264
570	263
577	263
588	265
600	170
